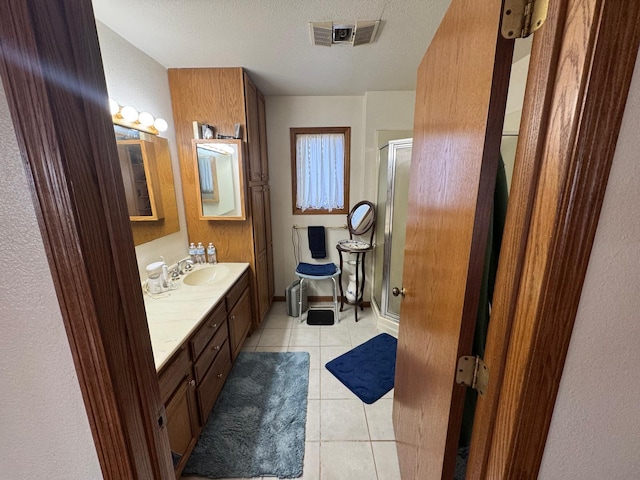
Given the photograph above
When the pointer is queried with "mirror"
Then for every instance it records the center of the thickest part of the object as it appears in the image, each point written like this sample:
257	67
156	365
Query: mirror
361	219
145	163
220	182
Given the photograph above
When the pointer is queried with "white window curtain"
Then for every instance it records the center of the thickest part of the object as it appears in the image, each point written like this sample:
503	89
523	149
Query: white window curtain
320	168
206	174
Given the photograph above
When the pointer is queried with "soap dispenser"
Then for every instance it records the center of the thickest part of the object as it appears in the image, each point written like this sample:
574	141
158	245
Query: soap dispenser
212	256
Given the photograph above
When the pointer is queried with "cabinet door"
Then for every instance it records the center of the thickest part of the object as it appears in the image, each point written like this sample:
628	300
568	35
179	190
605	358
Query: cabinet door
262	118
262	280
258	216
239	322
253	129
269	240
182	422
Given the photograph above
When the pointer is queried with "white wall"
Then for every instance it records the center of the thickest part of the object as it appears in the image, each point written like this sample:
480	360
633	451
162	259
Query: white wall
282	114
365	115
43	422
595	430
134	78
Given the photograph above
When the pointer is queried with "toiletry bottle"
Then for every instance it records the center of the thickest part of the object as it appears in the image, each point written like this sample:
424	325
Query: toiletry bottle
193	254
212	256
200	253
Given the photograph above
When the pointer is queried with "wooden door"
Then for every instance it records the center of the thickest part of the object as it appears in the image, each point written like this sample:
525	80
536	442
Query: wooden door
460	101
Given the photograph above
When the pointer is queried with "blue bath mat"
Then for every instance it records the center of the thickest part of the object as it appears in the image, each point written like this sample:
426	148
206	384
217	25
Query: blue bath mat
369	369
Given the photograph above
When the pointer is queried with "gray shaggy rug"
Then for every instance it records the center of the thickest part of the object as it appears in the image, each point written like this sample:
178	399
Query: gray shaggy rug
257	426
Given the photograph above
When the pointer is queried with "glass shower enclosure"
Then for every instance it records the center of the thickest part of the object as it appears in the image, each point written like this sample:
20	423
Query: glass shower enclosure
392	205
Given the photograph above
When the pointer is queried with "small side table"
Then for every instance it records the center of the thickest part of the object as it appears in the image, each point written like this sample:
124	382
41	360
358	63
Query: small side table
360	249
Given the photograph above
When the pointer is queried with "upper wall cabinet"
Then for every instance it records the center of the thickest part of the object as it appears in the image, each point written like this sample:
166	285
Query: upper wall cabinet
256	132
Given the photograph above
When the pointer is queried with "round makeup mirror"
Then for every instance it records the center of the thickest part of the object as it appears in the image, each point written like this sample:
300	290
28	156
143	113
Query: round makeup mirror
361	219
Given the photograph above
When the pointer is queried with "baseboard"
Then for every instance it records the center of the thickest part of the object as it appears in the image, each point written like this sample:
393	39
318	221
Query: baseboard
317	299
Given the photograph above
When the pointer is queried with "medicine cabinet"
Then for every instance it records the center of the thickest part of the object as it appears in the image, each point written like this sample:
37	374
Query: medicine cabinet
141	182
220	182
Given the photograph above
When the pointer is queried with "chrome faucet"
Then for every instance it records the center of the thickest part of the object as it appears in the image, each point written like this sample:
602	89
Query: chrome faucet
182	267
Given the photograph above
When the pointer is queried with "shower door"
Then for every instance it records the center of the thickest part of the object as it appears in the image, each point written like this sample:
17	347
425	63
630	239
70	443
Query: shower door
393	198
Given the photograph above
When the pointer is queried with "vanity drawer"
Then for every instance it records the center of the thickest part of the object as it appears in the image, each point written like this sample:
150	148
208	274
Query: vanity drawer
213	348
236	290
213	381
208	329
173	373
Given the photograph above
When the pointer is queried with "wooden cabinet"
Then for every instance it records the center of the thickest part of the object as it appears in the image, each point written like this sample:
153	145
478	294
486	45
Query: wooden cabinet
238	302
178	393
263	246
262	124
211	358
182	422
239	323
191	380
223	97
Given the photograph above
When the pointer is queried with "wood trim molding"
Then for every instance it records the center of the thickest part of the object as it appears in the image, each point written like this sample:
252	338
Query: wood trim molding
582	63
52	74
347	168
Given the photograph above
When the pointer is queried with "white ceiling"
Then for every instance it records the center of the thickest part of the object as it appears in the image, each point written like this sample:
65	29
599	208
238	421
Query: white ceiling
270	38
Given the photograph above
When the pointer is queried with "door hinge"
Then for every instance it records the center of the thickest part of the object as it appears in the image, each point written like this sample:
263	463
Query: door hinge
472	372
520	18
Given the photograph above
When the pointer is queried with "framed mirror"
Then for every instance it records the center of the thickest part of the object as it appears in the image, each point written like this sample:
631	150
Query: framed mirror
145	163
220	182
361	219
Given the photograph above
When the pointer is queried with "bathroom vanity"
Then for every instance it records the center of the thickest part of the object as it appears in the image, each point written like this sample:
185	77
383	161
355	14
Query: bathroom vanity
196	333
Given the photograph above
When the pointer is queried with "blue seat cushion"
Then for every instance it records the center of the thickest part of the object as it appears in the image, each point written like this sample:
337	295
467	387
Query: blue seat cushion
322	270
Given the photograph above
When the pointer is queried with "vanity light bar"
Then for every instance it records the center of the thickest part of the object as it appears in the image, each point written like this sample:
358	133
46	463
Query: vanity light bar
127	116
218	148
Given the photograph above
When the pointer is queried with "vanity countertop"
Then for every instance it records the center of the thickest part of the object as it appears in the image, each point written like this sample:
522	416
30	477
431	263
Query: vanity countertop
175	314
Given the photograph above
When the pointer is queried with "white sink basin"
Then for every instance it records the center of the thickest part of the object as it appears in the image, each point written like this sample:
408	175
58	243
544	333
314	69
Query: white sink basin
209	275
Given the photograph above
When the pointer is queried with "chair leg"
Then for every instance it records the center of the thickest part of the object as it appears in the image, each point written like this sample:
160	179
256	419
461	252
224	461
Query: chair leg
335	300
300	300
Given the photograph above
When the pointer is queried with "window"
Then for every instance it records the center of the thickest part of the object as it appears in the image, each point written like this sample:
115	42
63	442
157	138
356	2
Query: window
320	170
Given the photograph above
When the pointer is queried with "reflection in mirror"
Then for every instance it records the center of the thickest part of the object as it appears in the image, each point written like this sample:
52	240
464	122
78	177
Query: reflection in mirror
361	218
145	163
220	182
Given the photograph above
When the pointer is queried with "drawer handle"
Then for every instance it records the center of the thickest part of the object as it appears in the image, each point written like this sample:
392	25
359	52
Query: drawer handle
192	383
215	325
219	375
217	347
233	317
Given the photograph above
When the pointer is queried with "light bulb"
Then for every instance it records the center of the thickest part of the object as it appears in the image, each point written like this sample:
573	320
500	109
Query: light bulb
145	119
113	106
129	113
161	124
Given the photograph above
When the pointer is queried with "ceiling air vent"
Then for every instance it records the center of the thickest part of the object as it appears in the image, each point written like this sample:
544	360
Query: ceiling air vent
321	33
365	32
326	33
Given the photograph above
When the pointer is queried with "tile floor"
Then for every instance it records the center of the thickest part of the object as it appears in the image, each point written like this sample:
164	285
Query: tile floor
345	438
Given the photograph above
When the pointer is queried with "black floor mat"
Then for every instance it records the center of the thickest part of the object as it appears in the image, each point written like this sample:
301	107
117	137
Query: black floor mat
320	317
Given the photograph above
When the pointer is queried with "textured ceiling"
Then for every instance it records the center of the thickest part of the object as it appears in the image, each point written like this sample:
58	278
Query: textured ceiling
270	38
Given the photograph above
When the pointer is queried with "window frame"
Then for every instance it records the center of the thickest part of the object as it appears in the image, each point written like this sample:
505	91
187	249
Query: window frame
294	132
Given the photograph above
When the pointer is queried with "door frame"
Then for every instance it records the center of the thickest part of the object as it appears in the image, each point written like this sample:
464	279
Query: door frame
581	66
51	70
113	358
